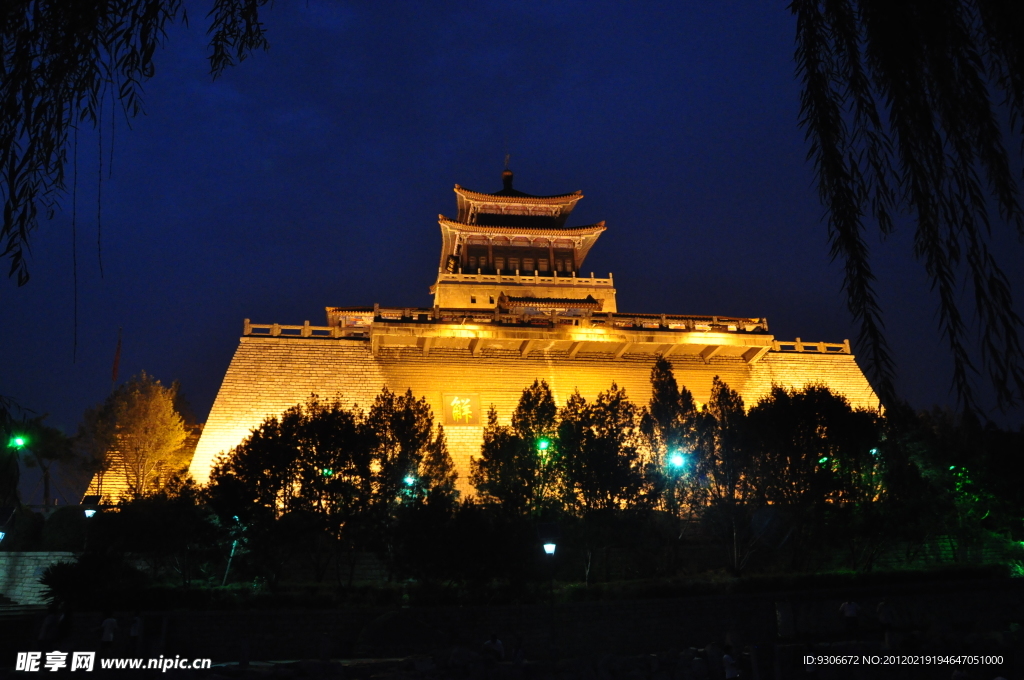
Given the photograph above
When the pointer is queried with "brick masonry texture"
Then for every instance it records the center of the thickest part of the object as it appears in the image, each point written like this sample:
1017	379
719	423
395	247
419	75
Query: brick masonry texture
20	572
270	374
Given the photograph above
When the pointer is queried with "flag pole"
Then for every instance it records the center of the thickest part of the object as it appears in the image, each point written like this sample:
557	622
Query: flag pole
117	362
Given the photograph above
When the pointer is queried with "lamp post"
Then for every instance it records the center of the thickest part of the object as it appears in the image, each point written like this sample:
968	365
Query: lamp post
549	535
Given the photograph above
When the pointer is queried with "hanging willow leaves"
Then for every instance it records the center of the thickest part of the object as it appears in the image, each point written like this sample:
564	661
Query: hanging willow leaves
58	61
903	104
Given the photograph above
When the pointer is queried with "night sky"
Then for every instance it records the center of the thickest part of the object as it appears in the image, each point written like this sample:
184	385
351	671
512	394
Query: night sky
312	174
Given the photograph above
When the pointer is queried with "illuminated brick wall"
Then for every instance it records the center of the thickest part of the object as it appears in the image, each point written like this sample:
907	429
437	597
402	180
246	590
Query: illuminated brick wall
267	375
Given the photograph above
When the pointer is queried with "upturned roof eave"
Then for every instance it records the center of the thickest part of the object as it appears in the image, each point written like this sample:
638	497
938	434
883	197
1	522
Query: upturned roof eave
480	197
455	225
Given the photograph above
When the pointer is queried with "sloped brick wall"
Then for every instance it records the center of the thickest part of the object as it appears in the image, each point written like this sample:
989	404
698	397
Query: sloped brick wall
269	374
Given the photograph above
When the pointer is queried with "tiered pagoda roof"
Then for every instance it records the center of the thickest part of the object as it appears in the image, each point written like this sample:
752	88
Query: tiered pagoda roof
510	213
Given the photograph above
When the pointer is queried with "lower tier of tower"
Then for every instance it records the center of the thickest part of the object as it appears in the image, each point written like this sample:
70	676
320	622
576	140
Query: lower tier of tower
269	374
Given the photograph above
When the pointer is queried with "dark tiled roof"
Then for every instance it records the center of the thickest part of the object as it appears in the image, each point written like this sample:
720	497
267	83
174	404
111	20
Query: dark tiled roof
516	196
570	303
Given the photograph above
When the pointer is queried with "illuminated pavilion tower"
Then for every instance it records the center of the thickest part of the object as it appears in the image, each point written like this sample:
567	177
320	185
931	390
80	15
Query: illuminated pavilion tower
514	251
510	306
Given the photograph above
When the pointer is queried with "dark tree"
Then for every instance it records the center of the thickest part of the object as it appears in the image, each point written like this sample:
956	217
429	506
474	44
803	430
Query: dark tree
671	426
724	461
517	464
60	62
315	458
437	476
902	105
600	452
813	448
400	429
819	469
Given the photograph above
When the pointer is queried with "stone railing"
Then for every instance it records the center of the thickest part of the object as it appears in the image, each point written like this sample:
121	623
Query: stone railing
275	330
356	323
535	278
799	345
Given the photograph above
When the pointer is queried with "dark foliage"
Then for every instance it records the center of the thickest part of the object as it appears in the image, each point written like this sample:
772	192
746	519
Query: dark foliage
60	63
902	105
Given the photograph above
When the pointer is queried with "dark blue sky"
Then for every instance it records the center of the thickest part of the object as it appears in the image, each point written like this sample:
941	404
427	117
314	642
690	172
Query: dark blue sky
311	175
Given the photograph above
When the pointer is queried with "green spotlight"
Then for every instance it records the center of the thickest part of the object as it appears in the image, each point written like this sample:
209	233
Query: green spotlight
327	472
543	444
17	442
822	461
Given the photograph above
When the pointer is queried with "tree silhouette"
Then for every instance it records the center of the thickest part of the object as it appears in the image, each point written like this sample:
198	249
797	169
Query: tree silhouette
60	62
600	450
514	470
901	106
671	425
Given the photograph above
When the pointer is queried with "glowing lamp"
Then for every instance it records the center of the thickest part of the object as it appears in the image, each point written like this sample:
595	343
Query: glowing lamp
410	480
874	452
2	534
327	472
542	445
17	442
677	460
90	502
549	548
822	461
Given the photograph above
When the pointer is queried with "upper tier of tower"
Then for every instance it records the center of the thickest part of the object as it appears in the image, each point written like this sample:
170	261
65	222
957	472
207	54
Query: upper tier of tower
511	231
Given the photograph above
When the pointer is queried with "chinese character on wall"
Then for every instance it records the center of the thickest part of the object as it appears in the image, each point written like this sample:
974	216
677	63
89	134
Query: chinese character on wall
461	409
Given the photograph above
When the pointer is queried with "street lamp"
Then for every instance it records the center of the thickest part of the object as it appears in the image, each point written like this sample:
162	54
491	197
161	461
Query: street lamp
676	460
90	502
548	533
6	515
409	480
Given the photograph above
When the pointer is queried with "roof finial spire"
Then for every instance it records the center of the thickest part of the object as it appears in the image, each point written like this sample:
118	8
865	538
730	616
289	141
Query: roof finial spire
506	176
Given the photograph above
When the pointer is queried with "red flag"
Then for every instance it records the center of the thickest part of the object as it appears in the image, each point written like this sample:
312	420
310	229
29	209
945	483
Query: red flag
117	358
